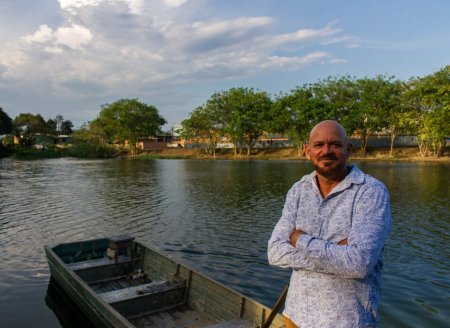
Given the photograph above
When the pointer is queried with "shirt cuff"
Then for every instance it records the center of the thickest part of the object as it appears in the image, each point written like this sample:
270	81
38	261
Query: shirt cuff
303	241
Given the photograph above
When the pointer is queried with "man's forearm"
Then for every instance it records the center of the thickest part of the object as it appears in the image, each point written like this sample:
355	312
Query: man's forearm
296	234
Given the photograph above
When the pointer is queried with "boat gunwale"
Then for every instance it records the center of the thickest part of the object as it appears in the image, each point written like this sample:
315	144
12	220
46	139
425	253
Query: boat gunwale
177	262
84	285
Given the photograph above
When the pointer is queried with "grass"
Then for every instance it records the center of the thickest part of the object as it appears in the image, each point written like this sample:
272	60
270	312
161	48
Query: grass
403	154
105	151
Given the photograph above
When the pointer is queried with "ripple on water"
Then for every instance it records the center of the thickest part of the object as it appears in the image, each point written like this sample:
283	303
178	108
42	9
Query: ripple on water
216	217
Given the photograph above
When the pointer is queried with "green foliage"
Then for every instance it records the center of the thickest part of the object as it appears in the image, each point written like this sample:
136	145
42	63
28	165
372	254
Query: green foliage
363	106
6	149
90	133
79	150
26	124
126	120
58	126
6	125
377	99
204	126
30	153
296	113
243	114
86	150
431	96
337	97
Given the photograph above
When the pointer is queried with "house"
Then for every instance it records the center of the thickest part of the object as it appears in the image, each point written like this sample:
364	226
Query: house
164	140
148	143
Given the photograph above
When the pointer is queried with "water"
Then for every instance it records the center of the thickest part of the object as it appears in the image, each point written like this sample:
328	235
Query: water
215	216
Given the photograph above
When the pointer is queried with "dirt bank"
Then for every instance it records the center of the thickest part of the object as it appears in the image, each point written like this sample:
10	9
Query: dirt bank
400	154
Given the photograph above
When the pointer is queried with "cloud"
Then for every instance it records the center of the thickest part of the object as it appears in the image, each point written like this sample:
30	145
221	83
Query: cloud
174	3
208	36
136	46
43	34
306	35
74	37
74	5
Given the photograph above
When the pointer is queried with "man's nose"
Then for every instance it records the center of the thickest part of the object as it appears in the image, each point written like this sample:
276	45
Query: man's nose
326	148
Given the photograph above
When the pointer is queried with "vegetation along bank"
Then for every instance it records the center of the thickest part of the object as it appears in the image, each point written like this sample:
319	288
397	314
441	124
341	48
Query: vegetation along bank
241	118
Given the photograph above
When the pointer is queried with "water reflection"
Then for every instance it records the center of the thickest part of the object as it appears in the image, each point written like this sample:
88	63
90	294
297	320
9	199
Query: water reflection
216	216
69	315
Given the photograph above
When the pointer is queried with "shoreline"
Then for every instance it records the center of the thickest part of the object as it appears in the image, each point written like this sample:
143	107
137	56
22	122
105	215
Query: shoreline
407	154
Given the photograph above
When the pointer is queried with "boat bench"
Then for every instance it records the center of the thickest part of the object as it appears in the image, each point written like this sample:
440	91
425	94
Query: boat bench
146	298
98	262
103	268
136	291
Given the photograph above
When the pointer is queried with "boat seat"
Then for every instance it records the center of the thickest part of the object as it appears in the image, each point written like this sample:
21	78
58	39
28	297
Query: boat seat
118	244
131	292
98	262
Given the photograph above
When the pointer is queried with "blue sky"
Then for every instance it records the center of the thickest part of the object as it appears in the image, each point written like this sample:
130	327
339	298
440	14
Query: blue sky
69	57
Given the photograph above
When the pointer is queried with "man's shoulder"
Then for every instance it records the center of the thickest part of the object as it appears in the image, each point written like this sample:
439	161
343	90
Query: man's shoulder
306	179
367	180
304	182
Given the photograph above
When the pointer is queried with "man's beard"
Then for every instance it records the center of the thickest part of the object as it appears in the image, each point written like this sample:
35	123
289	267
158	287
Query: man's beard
333	171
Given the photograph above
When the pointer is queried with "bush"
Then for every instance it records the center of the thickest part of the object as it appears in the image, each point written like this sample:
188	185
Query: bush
33	153
78	150
6	150
86	150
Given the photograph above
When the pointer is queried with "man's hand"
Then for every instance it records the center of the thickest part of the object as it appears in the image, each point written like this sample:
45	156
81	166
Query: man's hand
295	235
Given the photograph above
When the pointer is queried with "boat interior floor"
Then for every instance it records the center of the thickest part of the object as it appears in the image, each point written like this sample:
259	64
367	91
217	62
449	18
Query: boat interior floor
182	316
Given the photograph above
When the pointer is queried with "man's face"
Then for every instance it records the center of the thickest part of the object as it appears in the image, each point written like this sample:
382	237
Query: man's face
328	150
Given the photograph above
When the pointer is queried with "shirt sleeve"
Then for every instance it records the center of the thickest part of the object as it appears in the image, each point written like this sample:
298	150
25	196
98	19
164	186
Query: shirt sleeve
280	251
370	226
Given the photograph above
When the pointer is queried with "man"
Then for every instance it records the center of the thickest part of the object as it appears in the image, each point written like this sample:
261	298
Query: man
331	233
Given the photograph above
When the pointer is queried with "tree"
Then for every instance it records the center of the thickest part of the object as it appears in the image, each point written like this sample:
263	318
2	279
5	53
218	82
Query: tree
361	105
378	98
245	113
400	118
6	125
298	112
339	94
59	126
203	127
66	127
26	124
431	97
90	133
128	119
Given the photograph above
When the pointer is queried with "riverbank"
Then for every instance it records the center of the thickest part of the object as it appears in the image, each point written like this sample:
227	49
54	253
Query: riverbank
400	154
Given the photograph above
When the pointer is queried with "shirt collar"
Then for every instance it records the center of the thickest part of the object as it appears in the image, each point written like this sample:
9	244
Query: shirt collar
356	176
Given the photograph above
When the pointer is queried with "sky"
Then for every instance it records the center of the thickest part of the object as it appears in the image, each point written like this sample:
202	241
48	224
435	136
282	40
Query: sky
70	57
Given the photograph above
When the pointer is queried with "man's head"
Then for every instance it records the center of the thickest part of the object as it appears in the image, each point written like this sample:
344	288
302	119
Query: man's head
328	150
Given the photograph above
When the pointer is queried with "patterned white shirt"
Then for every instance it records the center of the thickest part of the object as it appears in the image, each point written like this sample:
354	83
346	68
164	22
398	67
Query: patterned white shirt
333	285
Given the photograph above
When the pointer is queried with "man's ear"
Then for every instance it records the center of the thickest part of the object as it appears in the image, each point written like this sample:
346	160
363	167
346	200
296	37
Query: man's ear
307	151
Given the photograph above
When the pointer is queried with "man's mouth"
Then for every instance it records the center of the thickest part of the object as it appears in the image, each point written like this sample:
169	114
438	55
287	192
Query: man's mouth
327	158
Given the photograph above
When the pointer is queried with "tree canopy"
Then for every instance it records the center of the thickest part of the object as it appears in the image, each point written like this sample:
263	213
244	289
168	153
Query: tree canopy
126	120
6	125
205	126
364	106
59	126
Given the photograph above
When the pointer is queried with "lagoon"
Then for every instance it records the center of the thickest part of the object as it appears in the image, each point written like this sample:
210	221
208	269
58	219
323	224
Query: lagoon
216	216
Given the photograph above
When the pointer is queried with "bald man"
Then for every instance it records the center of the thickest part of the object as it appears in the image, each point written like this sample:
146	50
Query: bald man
331	233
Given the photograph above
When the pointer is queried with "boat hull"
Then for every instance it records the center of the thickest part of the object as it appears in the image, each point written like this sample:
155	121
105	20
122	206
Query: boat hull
163	286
